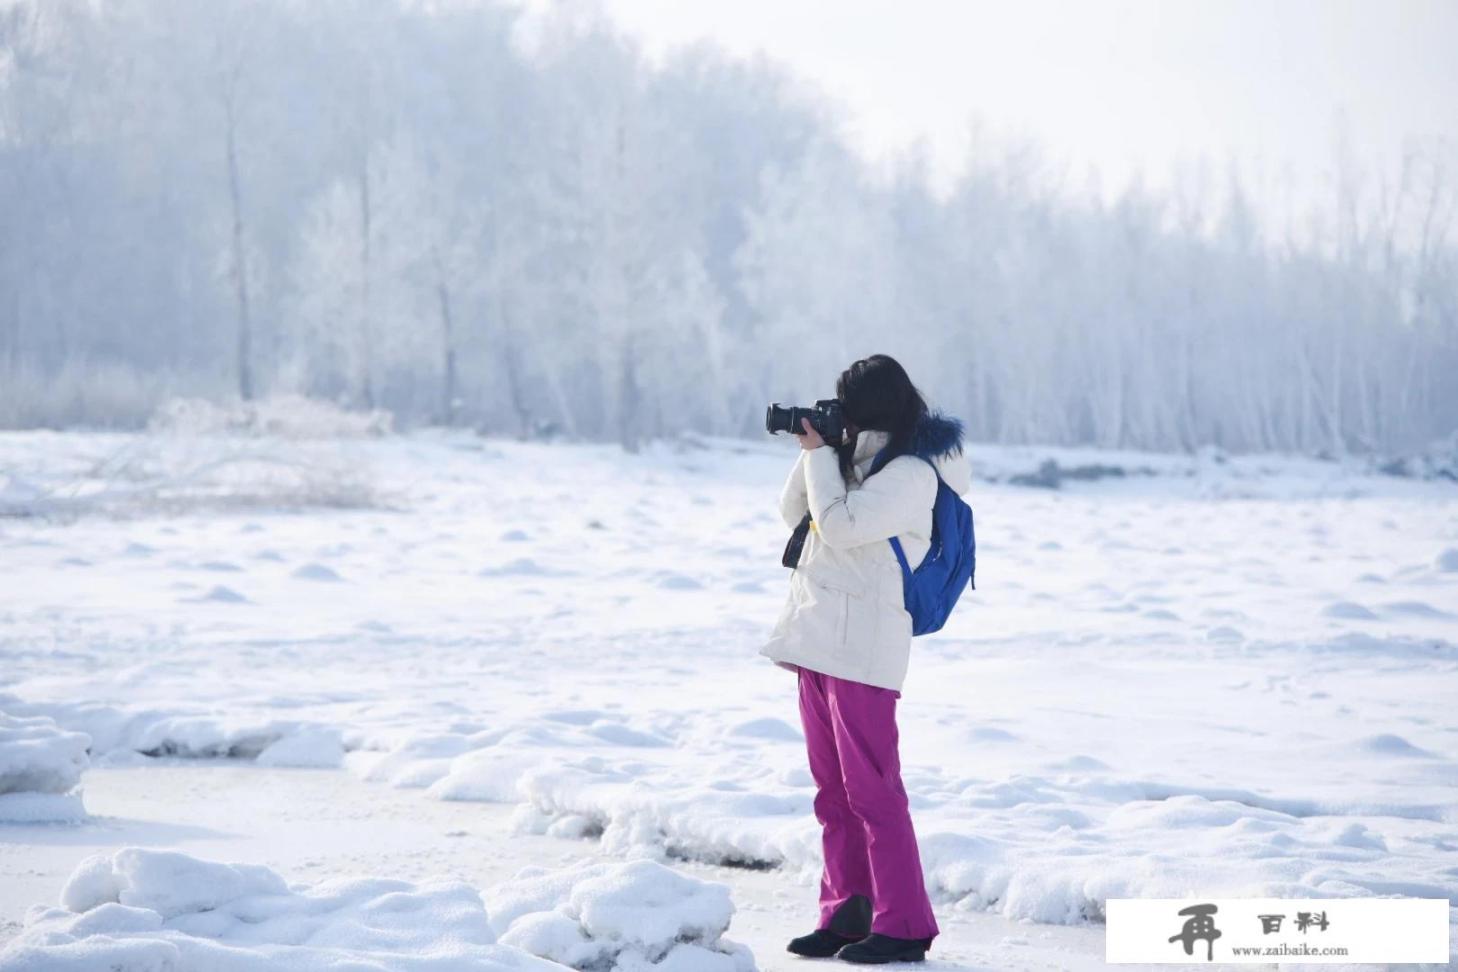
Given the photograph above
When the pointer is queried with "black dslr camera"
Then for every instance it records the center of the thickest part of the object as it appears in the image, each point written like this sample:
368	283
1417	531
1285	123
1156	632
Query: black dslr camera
826	417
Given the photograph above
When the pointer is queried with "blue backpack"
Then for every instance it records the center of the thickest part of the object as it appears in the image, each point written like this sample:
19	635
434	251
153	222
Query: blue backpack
932	589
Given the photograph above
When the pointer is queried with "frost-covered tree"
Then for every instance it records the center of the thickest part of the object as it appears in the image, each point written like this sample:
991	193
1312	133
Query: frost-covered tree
506	216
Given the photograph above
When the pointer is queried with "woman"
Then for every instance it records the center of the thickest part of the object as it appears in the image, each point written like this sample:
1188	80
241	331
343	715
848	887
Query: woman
846	633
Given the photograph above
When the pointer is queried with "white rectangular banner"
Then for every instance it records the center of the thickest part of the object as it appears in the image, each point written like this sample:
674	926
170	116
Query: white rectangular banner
1267	930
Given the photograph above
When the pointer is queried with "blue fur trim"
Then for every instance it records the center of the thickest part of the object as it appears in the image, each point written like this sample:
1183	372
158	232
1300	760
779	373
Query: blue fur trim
937	434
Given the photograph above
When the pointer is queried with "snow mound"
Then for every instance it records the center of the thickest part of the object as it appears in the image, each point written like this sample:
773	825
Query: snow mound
619	917
140	910
320	747
317	572
117	732
40	770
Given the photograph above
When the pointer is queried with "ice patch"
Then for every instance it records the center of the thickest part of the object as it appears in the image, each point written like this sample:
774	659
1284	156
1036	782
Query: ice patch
1448	560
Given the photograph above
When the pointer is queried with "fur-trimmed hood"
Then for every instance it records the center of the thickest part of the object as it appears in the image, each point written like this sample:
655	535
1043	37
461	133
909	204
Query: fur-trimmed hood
938	437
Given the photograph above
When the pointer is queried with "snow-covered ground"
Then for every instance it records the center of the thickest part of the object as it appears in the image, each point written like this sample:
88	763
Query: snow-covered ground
139	909
1230	677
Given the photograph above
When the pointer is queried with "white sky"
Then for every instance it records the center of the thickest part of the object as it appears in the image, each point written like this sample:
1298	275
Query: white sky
1121	85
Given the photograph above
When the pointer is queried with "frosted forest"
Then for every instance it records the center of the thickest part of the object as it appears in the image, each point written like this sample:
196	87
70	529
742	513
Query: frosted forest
470	216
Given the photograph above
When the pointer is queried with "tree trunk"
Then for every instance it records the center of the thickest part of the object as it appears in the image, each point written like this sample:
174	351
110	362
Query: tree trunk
448	350
240	265
366	329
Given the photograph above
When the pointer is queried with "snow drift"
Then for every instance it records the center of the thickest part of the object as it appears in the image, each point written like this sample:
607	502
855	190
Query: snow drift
40	770
139	910
619	917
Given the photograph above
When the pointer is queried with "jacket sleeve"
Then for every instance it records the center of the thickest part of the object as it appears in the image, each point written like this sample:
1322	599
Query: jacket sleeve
883	506
793	503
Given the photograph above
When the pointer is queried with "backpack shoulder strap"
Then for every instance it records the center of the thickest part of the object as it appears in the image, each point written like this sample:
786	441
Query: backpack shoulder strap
881	459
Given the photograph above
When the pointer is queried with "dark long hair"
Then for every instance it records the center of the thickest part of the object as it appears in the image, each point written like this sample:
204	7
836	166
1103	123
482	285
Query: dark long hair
876	393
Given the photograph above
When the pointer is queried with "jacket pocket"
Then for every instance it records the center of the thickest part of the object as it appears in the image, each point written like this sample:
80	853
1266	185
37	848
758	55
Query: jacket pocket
826	614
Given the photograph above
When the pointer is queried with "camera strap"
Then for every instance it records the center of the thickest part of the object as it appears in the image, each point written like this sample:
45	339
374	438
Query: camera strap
796	543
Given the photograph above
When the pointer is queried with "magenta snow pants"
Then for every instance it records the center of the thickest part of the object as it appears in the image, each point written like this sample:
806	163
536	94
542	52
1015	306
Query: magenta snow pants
869	845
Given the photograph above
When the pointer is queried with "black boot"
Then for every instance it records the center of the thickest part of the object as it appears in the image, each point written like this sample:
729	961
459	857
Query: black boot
877	949
849	924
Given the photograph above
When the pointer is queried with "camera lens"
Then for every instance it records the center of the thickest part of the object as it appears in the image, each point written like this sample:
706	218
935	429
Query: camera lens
777	419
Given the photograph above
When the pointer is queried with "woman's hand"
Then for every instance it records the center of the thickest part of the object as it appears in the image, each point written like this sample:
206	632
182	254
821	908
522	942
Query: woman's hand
809	439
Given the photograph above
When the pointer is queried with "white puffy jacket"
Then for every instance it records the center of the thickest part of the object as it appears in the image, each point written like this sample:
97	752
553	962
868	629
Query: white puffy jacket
845	614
